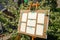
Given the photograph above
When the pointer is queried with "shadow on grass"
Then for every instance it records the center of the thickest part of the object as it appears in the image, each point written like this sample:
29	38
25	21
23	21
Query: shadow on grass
57	10
49	37
39	39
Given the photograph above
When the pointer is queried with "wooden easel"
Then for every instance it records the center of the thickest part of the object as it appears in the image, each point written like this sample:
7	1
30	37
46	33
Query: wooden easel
34	5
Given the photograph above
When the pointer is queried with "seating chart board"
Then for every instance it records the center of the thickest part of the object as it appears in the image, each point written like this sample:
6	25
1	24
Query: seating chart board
33	23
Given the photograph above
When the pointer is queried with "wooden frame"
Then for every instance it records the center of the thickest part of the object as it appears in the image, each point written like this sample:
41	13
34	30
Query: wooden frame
45	23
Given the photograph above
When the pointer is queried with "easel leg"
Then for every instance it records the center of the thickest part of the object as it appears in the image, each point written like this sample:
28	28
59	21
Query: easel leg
18	37
32	38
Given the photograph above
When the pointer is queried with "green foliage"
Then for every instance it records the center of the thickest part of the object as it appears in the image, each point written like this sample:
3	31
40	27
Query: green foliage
25	37
2	1
51	3
9	23
54	26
